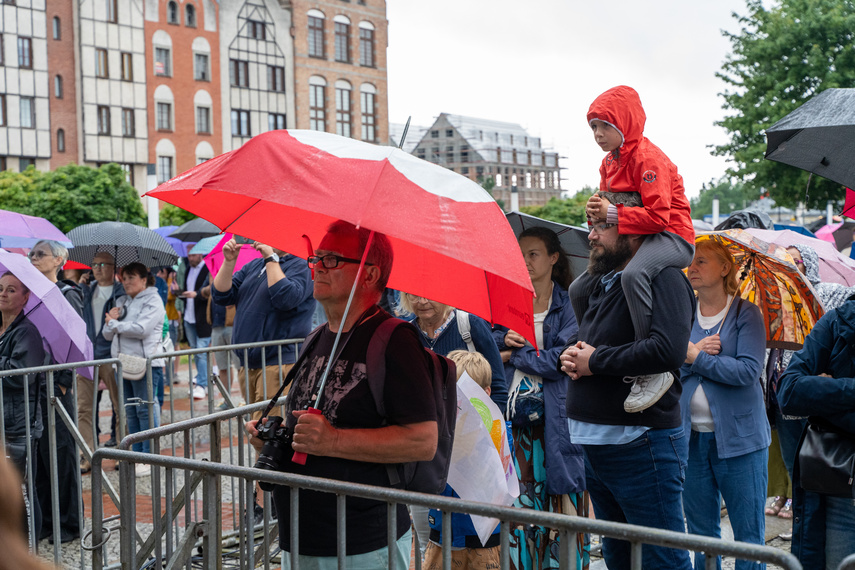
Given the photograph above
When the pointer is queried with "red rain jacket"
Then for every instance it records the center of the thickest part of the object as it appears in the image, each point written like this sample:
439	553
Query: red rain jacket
640	166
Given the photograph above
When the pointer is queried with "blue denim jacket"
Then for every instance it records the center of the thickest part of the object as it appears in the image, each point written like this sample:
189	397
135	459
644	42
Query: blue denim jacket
565	467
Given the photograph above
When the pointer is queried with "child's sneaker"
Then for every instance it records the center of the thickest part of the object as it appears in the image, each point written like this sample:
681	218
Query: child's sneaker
646	390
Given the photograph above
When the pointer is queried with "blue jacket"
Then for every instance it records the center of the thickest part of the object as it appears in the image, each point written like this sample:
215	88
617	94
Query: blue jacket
565	468
449	339
100	345
282	311
828	349
731	381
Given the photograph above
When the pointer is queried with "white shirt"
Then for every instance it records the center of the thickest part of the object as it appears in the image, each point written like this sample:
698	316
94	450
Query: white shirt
190	304
99	298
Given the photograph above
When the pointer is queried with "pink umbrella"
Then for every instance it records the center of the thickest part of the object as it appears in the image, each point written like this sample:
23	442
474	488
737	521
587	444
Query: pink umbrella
826	233
214	260
20	230
834	267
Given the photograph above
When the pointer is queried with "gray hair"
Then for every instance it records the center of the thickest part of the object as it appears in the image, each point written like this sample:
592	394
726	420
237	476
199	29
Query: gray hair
631	199
56	249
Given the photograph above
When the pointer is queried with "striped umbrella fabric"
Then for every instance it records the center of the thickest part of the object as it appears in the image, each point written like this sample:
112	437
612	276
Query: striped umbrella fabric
126	242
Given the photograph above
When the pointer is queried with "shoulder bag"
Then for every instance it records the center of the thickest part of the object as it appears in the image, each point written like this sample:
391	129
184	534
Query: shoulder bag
827	460
133	367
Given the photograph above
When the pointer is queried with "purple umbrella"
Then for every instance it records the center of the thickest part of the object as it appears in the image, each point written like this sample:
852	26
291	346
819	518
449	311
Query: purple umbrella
62	329
179	246
20	230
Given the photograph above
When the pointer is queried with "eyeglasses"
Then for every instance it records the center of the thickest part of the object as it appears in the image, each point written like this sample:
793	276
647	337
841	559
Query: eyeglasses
331	261
799	261
600	228
38	254
102	265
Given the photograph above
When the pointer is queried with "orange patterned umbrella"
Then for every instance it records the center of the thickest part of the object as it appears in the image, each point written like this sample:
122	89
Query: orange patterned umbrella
770	279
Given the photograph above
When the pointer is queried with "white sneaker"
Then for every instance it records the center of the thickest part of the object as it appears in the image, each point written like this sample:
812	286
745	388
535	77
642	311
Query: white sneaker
646	390
200	392
142	470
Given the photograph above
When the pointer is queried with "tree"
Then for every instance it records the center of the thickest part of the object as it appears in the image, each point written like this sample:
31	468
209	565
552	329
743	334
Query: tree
72	195
782	57
732	196
570	211
174	216
488	183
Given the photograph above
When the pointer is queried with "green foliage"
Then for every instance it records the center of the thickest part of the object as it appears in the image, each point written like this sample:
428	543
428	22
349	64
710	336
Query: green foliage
570	211
488	183
782	57
72	195
732	196
174	216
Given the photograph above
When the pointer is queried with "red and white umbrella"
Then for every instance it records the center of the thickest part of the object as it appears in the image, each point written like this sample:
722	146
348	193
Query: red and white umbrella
451	240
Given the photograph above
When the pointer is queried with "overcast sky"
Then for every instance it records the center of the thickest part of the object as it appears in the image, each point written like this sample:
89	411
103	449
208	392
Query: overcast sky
540	63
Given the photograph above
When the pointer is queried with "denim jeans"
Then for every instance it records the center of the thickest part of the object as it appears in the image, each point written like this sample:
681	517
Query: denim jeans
741	480
839	530
137	414
369	561
201	359
157	391
640	482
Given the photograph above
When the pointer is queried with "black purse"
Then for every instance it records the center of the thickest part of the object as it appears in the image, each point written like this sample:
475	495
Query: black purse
827	460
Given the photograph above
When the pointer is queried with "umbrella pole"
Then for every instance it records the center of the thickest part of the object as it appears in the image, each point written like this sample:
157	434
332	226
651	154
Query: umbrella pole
314	407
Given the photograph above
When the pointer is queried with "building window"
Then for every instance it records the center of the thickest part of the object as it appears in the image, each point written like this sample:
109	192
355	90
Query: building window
3	111
464	153
200	67
367	97
60	140
103	120
111	11
28	112
239	73
317	108
190	16
172	12
26	162
276	78
420	153
366	45
164	169
164	116
203	120
128	126
342	109
25	53
162	60
316	37
434	134
449	133
240	123
256	30
57	86
275	121
129	172
57	28
127	66
449	154
342	42
101	69
3	163
2	51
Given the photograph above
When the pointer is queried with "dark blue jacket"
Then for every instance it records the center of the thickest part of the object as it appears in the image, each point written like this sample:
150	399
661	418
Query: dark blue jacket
449	339
565	469
828	349
100	345
282	311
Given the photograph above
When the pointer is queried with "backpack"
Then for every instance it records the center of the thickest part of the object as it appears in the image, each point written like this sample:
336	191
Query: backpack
421	476
464	327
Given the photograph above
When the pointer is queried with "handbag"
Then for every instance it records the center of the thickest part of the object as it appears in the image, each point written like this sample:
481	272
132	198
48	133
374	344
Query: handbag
827	460
133	367
525	400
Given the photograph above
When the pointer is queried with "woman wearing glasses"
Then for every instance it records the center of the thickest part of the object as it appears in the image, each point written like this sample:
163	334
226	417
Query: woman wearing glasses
550	469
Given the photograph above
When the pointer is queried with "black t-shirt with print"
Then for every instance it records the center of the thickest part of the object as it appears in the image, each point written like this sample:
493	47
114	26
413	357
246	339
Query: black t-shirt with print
347	403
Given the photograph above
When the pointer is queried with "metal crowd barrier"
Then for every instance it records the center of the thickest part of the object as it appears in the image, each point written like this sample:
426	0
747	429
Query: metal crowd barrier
215	548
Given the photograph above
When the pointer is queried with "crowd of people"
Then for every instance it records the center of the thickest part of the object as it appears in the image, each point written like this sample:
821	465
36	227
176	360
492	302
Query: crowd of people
649	399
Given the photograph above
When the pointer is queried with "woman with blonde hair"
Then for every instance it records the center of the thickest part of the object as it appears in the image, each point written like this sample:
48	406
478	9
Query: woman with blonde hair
723	406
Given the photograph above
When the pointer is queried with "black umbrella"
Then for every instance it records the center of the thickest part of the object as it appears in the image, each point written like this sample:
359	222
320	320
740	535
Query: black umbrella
818	137
195	230
747	219
574	240
125	242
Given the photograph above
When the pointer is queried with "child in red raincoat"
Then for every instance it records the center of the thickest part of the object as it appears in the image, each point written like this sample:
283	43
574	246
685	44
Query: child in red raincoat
634	164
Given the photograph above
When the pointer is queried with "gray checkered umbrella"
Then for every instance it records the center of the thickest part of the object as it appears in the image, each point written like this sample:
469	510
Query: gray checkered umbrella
125	242
195	230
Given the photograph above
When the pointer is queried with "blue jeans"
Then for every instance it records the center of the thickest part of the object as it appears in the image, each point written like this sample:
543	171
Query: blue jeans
201	359
369	561
640	482
137	414
740	480
839	530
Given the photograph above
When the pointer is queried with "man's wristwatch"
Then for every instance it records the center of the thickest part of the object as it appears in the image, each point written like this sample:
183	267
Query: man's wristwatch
272	257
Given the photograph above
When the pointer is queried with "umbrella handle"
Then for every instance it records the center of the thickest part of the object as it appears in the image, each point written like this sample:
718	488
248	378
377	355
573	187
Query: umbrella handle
300	457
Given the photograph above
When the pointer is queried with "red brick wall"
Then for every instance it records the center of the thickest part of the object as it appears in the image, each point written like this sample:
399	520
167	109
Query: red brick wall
63	112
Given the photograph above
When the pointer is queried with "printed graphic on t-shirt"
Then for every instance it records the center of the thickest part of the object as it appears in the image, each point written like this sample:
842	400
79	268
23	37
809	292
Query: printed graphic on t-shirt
338	385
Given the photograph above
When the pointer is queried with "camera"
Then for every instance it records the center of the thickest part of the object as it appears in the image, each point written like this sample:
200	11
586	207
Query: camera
277	444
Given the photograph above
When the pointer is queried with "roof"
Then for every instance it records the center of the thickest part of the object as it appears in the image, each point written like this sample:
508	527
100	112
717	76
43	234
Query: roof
414	135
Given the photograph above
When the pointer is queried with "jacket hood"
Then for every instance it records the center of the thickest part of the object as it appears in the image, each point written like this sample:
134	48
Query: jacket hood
621	108
811	261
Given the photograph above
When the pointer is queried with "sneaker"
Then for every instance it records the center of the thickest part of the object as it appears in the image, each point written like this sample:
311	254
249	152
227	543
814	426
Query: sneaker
142	470
646	390
110	442
786	535
200	392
